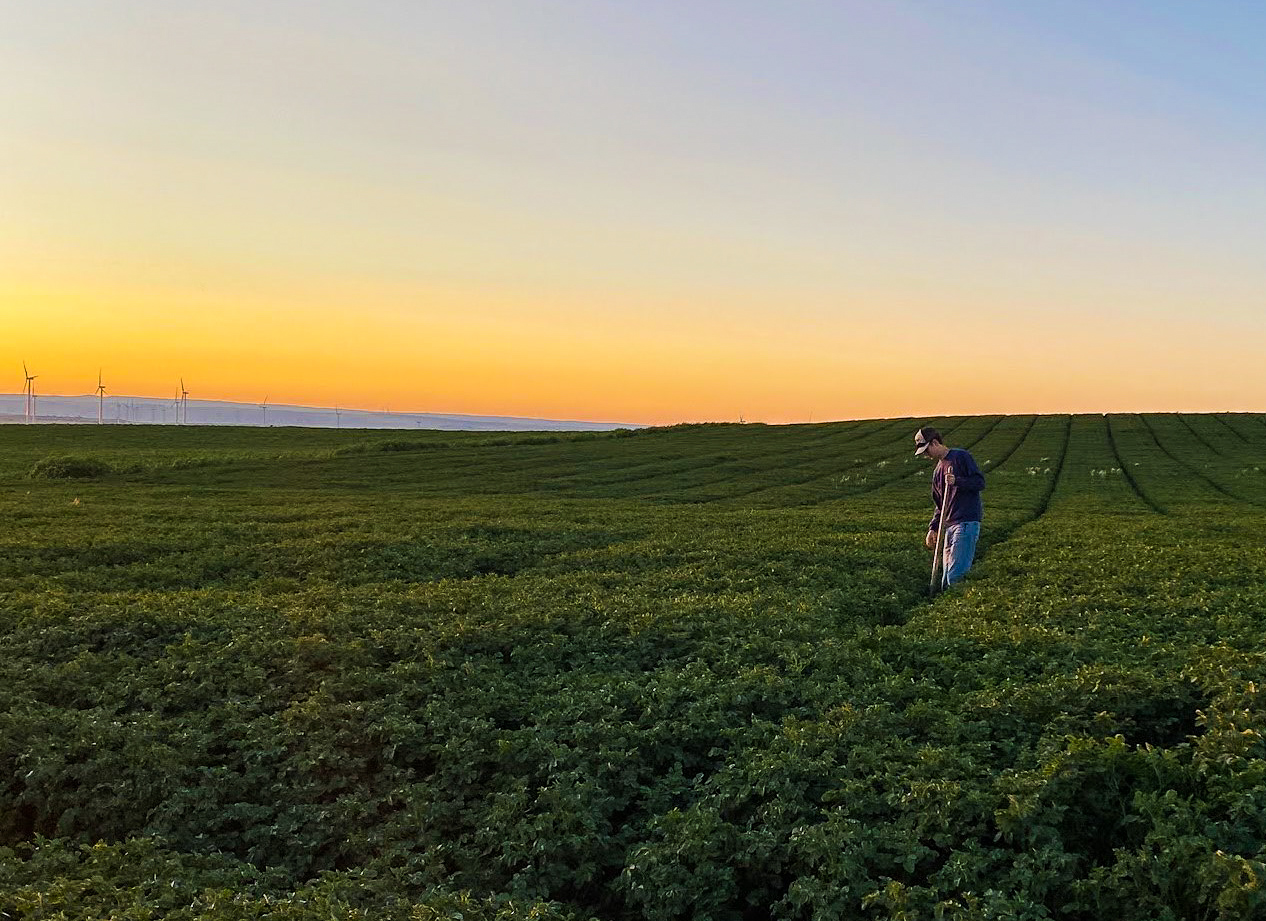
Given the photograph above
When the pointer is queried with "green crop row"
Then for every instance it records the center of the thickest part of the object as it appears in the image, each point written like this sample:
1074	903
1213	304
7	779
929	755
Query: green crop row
686	674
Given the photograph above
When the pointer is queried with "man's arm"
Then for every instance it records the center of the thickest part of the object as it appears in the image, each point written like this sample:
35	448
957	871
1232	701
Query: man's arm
967	476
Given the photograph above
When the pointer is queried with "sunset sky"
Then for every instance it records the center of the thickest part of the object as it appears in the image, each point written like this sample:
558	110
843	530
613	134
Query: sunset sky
644	211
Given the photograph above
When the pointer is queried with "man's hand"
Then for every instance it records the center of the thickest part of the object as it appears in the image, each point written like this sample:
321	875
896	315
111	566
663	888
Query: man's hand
930	540
949	477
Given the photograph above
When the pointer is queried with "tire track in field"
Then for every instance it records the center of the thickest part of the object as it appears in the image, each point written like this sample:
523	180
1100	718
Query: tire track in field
971	444
993	542
813	476
1022	440
1241	422
1195	472
1227	442
1200	438
986	546
636	473
682	463
919	473
1007	456
1043	504
1129	476
823	476
993	467
878	437
898	478
1234	431
865	442
1015	447
829	436
1251	421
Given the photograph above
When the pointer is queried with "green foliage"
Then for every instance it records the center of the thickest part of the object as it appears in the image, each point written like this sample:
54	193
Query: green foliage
70	468
687	674
139	879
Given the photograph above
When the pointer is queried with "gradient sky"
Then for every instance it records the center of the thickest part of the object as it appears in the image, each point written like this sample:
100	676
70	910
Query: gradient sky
638	211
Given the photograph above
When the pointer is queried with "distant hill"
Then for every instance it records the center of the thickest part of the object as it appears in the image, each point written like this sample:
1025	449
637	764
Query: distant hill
151	411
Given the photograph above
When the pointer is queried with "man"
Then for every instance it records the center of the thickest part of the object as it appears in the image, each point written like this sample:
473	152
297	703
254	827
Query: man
956	471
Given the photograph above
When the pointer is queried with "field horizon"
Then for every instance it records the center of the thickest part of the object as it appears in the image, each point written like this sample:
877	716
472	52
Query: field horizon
680	672
83	409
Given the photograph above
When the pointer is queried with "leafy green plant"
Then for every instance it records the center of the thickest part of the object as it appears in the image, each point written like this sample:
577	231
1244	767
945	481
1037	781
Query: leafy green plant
70	468
687	674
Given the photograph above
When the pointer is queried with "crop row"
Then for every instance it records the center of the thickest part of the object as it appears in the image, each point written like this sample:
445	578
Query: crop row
337	684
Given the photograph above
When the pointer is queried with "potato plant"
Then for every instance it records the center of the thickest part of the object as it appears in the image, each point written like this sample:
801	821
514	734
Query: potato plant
672	673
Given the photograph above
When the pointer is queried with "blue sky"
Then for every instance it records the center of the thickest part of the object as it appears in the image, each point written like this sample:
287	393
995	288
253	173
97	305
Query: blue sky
797	187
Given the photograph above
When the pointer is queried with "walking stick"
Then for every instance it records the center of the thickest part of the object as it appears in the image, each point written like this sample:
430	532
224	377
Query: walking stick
938	555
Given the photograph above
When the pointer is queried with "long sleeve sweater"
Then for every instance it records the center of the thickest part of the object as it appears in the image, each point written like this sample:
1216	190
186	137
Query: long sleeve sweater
965	502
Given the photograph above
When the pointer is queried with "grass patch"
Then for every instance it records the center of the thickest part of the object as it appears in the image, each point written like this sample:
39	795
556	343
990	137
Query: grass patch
70	468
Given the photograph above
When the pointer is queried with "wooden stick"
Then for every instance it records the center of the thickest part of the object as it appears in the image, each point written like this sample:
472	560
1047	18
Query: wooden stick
938	562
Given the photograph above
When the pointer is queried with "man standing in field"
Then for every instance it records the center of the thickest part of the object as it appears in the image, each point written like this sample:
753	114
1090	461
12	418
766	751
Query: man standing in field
956	471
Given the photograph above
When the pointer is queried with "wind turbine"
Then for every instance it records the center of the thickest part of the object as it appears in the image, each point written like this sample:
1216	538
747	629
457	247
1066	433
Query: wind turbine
100	399
264	407
28	392
175	406
338	418
184	403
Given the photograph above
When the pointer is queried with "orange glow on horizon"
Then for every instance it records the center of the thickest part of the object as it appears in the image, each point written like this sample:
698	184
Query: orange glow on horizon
834	211
643	363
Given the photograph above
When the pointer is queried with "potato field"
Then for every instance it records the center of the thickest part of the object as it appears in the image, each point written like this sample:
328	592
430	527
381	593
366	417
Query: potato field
676	673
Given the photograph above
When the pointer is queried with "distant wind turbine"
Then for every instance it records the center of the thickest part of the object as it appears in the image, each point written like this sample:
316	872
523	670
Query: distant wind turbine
100	399
184	403
264	407
28	392
338	418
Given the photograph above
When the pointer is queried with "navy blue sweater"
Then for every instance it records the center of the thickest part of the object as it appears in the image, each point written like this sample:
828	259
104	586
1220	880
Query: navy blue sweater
965	504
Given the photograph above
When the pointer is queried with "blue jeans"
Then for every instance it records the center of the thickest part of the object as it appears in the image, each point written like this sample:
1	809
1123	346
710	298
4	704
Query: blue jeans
960	550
